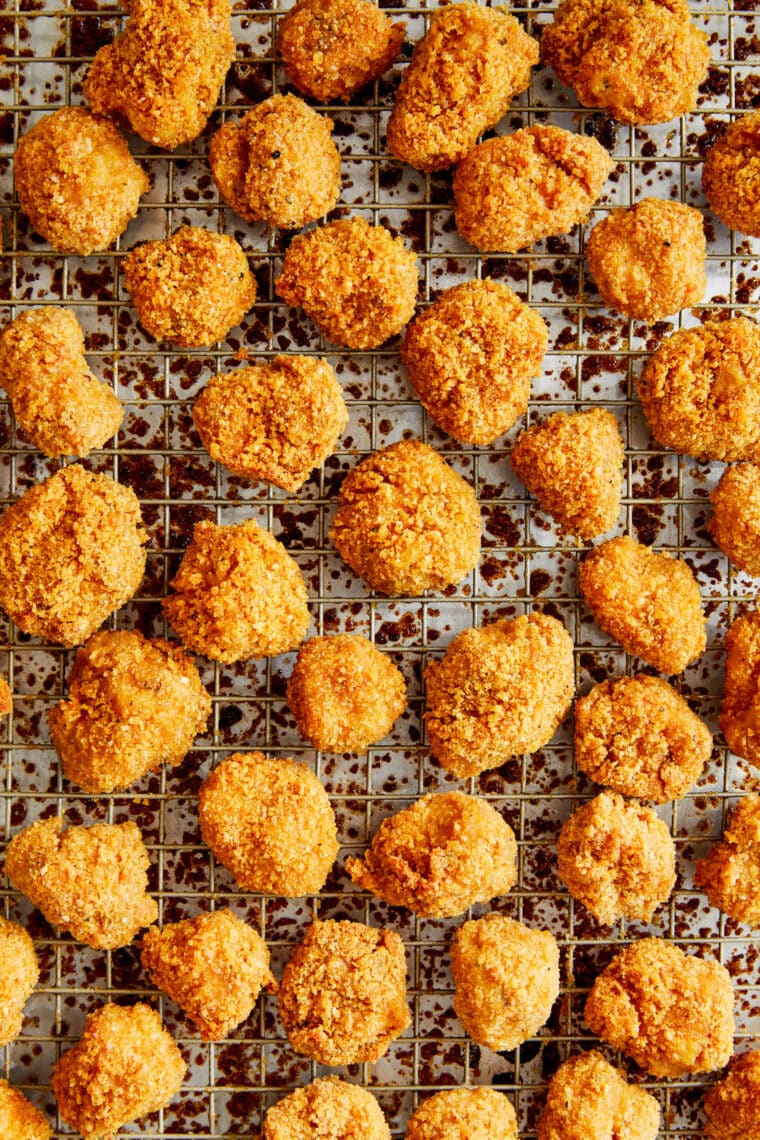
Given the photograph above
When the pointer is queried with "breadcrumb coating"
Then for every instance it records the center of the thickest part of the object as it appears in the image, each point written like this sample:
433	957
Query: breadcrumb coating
700	391
539	182
19	973
124	1066
673	1013
71	552
499	691
731	175
343	994
270	823
471	356
19	1119
464	1114
406	521
733	1104
356	281
344	693
237	594
589	1099
276	421
163	74
439	856
88	881
638	736
328	1109
506	979
740	707
735	523
461	79
213	966
573	464
730	873
647	600
6	697
643	62
76	181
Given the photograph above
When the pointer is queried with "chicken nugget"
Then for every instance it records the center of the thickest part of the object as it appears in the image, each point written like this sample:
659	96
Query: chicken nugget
19	1119
735	522
733	1104
327	1109
469	1114
740	707
589	1099
6	697
731	175
730	873
19	973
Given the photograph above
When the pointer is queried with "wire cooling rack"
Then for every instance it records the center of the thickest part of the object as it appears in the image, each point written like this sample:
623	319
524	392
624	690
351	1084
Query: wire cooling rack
593	357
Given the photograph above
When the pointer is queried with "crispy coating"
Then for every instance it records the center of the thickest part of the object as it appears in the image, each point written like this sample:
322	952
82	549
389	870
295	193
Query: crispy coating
514	190
344	693
328	1109
343	994
506	979
276	421
648	601
735	523
638	736
700	391
89	881
573	464
673	1013
437	857
731	175
163	74
461	79
730	873
740	707
733	1104
499	691
471	356
133	705
270	823
464	1114
589	1099
643	62
19	974
237	594
406	521
71	552
76	181
124	1066
19	1119
214	967
6	697
356	281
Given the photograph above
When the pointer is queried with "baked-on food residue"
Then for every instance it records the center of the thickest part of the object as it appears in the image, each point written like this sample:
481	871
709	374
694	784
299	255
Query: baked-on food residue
589	1099
329	1108
740	707
19	973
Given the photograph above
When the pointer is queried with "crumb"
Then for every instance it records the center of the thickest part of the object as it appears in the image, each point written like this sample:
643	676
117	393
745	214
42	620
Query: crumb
6	697
470	1114
589	1099
19	1119
733	1104
19	974
329	1109
731	175
740	708
735	524
730	872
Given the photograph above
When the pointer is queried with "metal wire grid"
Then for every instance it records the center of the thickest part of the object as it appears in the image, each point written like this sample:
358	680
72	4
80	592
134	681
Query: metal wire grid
593	357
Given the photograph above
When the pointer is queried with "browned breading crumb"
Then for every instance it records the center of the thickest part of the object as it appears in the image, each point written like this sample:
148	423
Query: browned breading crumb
589	1099
733	1104
731	175
730	873
19	974
6	697
328	1109
735	522
343	994
740	708
19	1119
465	1114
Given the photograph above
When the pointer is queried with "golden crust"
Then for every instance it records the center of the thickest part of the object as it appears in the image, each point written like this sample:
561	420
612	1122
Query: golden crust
6	697
735	523
19	1119
439	856
731	175
648	601
730	873
406	521
327	1109
733	1104
251	807
589	1099
740	708
19	973
470	1114
461	79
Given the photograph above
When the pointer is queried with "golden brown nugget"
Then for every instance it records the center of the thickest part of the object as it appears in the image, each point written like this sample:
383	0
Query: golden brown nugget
356	281
213	966
733	1104
589	1099
19	973
88	881
71	552
163	74
730	873
671	1012
461	79
539	182
573	464
643	62
6	697
327	1109
276	421
133	705
740	707
124	1066
439	856
499	691
270	823
19	1119
648	601
344	693
76	181
471	356
406	521
343	994
259	610
469	1114
638	736
735	522
731	175
700	391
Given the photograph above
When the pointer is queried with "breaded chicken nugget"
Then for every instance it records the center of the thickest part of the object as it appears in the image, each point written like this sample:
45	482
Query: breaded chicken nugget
733	1104
589	1099
356	281
270	823
328	1109
740	708
19	973
469	1114
76	181
730	873
461	79
6	697
71	552
735	523
731	175
439	856
124	1066
276	421
514	190
471	356
671	1012
19	1119
406	521
648	601
163	74
259	610
343	994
